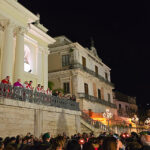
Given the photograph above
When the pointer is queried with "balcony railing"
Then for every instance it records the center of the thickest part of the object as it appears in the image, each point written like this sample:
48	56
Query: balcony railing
27	95
78	65
94	123
95	99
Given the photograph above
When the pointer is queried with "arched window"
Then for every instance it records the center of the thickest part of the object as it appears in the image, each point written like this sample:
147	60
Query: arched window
27	59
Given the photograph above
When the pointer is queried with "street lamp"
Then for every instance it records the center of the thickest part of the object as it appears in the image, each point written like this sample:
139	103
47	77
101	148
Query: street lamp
135	119
147	122
108	115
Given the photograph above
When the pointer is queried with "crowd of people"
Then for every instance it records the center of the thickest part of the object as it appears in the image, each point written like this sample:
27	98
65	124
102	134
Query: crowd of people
39	88
78	141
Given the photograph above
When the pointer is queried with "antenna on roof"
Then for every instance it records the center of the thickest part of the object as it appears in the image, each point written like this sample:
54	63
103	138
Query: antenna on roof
92	42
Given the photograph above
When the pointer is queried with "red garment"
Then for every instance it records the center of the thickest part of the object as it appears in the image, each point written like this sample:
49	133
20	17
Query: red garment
29	86
5	81
38	89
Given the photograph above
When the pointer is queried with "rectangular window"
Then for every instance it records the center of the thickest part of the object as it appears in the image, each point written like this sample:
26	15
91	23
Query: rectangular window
96	70
86	88
66	87
84	62
126	108
109	98
65	60
99	94
119	106
106	76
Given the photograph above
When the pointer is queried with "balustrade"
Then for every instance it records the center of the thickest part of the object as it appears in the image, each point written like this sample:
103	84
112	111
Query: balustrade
27	95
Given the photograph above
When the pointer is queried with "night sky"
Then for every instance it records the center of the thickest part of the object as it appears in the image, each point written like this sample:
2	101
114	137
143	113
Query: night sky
120	29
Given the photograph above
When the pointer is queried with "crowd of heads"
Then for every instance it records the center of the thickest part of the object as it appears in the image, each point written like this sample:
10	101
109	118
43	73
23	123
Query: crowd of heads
39	88
78	141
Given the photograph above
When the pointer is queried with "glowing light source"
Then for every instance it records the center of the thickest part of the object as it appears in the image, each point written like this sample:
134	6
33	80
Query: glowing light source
135	119
147	121
27	67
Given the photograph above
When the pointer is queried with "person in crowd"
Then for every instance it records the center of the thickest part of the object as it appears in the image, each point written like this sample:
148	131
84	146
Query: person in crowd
46	139
38	88
48	91
12	140
18	83
73	145
42	89
60	94
25	85
73	98
29	86
145	140
1	145
110	143
6	80
56	93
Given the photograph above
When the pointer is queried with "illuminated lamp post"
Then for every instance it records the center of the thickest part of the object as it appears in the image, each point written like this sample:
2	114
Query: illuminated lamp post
135	120
108	115
147	122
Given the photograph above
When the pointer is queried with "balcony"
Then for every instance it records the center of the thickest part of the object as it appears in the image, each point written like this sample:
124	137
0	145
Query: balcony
27	95
95	99
78	65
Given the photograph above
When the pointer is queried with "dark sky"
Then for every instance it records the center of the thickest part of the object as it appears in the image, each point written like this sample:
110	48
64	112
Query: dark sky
120	29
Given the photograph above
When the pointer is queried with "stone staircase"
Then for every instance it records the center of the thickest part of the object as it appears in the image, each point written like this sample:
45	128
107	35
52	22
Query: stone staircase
90	125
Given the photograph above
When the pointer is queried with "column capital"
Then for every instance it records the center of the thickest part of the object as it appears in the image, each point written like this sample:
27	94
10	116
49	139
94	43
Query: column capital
11	25
21	30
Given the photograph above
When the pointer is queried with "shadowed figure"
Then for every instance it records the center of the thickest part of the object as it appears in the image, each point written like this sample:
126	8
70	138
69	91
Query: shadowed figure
62	124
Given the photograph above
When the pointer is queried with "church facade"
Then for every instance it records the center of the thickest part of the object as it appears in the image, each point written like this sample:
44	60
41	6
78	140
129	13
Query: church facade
23	44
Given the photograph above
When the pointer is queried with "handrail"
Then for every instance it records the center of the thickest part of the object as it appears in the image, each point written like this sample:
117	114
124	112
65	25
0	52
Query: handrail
95	99
94	123
27	95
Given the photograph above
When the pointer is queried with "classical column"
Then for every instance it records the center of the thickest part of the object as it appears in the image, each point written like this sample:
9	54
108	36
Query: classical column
46	69
39	66
19	55
8	52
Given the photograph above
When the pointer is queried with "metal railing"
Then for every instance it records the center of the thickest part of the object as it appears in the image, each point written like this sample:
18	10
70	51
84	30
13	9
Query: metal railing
23	94
78	65
94	123
95	99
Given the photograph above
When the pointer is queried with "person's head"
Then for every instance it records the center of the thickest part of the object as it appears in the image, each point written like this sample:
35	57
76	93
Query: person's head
100	139
12	140
110	143
56	91
30	82
7	78
38	85
42	87
1	145
133	146
18	139
25	82
18	80
73	145
145	140
46	137
11	147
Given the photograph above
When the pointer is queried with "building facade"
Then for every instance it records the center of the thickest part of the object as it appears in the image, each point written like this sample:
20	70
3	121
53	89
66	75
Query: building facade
23	44
80	72
126	105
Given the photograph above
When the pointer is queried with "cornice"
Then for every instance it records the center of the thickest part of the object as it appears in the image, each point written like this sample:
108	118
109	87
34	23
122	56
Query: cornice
41	34
28	14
